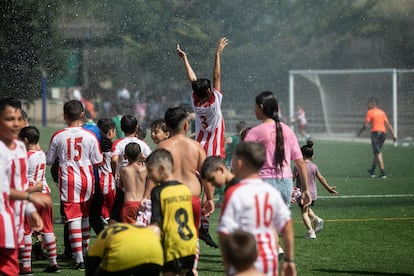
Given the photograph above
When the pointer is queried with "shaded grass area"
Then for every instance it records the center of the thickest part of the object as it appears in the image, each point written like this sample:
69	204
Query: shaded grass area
363	235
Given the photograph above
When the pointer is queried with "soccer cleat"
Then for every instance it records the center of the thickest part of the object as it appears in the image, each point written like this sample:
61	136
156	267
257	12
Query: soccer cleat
383	176
27	271
79	266
371	173
205	236
311	234
52	269
318	225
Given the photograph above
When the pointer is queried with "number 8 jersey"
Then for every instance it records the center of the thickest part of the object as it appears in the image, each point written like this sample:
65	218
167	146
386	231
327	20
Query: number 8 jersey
78	150
172	210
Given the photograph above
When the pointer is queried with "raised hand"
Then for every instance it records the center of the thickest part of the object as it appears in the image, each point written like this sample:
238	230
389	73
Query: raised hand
222	44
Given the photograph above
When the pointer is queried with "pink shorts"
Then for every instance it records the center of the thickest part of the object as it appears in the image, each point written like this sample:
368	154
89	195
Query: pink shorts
129	211
76	210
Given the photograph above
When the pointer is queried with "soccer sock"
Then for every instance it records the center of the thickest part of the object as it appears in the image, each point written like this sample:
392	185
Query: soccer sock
75	237
85	235
50	242
26	251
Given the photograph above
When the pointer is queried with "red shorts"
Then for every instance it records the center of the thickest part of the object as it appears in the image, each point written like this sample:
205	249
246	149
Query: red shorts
108	202
129	211
196	211
9	261
76	210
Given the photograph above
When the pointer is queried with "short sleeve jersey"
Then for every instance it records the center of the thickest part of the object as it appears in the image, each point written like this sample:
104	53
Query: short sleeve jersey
377	118
17	174
172	210
78	150
265	134
123	246
256	207
8	238
210	124
118	149
312	171
36	172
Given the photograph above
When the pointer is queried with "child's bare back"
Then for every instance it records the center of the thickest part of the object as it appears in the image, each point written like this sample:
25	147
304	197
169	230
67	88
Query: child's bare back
133	177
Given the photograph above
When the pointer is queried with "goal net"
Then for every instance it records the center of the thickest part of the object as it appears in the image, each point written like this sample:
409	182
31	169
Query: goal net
335	101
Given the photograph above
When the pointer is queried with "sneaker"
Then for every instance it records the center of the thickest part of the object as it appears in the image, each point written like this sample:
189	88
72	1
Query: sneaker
27	271
79	266
318	225
103	220
52	269
383	176
205	236
371	173
281	253
311	235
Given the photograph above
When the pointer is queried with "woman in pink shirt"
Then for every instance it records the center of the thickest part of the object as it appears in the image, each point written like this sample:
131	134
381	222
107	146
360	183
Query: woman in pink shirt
281	147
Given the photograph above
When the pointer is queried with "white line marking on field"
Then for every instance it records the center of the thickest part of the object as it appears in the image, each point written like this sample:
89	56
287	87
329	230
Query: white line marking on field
365	196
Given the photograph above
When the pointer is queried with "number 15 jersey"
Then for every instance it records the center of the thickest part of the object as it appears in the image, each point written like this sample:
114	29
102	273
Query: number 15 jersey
78	150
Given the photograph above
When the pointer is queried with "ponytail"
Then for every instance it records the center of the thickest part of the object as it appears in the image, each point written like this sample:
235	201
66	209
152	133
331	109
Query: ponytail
280	143
270	107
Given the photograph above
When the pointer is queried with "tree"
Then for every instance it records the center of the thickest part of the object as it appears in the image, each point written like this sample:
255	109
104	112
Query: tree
30	44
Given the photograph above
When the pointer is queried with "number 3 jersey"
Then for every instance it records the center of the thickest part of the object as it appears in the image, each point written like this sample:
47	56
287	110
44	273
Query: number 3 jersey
78	150
172	210
210	124
258	208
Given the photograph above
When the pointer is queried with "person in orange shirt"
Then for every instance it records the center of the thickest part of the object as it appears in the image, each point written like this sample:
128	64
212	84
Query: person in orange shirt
379	122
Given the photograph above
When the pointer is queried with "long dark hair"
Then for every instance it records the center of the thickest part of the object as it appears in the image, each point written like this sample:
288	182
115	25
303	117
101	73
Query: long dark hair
270	108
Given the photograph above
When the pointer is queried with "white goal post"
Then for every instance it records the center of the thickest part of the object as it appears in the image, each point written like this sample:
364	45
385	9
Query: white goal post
335	101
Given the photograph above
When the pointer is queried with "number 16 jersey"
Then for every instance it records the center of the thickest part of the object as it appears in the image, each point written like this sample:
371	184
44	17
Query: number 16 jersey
256	207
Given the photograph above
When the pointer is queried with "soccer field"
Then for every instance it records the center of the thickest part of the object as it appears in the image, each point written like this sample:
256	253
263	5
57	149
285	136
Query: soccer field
369	226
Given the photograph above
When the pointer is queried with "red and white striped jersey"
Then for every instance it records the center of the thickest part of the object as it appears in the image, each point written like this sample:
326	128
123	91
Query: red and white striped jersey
256	207
17	175
210	124
8	238
36	172
118	149
78	150
106	178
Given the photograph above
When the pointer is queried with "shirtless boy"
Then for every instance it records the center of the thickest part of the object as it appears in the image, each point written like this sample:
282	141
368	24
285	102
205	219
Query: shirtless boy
133	178
188	157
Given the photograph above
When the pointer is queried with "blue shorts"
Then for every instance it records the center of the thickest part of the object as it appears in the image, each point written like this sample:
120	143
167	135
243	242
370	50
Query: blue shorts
284	186
377	140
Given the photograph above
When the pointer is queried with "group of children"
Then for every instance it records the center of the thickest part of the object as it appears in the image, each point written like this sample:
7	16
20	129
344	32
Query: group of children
168	190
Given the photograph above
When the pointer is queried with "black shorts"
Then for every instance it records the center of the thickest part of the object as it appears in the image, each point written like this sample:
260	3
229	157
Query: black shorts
377	140
178	264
